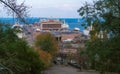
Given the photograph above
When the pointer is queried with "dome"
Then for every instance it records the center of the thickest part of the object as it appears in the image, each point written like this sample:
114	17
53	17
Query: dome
76	29
17	25
38	30
65	25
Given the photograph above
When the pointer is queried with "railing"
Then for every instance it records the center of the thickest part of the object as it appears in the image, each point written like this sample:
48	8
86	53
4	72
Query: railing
5	70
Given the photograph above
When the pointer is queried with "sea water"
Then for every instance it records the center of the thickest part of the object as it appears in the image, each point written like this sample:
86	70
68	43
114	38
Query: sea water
72	22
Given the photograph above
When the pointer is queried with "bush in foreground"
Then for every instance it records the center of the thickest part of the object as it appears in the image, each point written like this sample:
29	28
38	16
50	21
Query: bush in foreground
16	55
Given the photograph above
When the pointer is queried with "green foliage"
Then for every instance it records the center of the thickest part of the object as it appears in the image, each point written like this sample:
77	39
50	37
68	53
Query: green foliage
105	12
108	54
16	55
104	16
47	42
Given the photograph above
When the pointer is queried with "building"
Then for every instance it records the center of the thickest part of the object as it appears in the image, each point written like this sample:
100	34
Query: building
19	30
70	36
50	25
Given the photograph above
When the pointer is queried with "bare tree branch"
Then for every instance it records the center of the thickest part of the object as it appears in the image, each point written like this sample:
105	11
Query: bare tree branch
19	9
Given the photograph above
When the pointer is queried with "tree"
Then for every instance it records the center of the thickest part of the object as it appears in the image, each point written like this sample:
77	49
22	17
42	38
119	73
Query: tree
104	13
47	42
104	16
45	57
16	55
46	46
19	9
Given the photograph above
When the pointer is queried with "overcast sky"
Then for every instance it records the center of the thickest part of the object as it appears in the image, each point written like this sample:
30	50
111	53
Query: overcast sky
52	8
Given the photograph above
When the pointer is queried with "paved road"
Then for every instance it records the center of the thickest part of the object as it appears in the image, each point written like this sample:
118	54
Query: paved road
58	69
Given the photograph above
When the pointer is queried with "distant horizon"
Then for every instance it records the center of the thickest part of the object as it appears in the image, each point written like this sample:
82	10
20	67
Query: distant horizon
47	17
50	8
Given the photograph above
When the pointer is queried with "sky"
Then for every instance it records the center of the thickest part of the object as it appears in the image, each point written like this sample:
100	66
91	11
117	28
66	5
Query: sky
51	8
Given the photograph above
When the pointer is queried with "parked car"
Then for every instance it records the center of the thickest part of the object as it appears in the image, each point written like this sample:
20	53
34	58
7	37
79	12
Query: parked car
76	65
